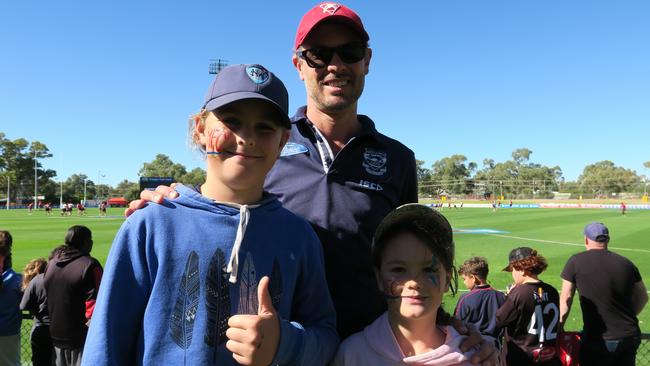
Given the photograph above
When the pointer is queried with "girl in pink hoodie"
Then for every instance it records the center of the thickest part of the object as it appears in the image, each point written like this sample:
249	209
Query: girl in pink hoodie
413	255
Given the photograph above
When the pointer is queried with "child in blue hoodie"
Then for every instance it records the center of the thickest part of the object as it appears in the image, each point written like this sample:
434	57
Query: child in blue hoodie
223	274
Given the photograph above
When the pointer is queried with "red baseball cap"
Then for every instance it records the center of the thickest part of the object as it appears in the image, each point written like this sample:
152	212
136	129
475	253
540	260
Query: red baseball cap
328	11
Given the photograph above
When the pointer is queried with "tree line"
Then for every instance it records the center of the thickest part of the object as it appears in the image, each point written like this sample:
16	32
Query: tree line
21	161
522	178
452	175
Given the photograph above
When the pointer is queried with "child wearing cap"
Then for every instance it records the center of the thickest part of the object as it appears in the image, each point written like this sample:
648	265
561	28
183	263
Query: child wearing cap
480	304
222	275
531	312
413	255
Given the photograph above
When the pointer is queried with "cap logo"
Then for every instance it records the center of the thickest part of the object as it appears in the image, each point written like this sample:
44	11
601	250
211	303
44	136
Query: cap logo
257	74
330	8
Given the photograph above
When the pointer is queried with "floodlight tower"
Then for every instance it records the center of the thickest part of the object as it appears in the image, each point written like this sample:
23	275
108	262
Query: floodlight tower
216	65
35	181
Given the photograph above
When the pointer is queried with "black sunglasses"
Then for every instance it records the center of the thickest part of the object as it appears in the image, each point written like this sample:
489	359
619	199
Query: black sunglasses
318	57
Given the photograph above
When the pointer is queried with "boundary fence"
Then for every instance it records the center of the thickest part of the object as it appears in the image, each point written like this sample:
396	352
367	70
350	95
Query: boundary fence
642	355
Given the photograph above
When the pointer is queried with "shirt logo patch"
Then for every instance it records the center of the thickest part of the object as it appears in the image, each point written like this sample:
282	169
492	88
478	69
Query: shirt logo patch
257	74
375	161
330	8
292	148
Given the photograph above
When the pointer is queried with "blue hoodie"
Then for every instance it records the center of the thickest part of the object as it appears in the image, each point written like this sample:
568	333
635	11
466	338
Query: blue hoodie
172	280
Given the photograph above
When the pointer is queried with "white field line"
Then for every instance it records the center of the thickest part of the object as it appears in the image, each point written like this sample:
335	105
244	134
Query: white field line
563	243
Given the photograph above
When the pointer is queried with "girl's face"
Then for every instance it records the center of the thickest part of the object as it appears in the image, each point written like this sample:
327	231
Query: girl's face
243	141
412	279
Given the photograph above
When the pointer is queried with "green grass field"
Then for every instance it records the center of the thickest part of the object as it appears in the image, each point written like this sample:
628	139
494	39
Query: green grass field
555	233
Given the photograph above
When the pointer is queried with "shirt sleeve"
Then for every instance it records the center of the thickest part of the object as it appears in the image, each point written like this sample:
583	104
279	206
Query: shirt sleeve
568	273
410	193
92	280
311	338
509	311
118	313
28	301
461	310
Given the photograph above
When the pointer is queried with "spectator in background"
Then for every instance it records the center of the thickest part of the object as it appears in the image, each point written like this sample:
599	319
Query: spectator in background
72	281
530	313
10	295
35	301
480	305
612	294
102	208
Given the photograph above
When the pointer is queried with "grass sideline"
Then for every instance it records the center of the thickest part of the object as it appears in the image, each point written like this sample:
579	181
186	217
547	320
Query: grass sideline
555	233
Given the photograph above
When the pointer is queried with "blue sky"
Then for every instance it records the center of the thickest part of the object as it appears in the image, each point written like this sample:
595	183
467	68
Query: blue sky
107	85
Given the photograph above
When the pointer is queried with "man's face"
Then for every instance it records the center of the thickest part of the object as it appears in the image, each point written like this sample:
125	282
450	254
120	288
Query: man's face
338	85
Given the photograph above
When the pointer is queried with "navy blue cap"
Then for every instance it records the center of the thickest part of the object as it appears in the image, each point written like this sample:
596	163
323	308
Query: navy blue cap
597	231
518	254
239	82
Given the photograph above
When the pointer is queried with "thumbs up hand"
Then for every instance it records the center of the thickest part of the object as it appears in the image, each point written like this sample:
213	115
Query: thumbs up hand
254	339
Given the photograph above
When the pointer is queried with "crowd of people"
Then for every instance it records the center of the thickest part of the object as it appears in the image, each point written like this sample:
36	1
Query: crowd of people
60	295
304	246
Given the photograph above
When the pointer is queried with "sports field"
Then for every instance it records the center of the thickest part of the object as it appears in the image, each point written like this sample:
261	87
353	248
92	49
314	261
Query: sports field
555	233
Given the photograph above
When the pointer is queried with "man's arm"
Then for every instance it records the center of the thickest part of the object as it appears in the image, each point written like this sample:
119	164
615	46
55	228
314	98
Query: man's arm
566	299
639	297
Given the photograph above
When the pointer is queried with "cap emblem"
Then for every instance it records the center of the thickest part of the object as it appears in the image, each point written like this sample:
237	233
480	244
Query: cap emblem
330	8
257	74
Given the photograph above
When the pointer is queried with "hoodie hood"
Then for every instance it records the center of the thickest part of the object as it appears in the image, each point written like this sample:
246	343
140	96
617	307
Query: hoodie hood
65	254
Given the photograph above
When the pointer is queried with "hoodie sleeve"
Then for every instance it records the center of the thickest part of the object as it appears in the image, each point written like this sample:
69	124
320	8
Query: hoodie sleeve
115	327
311	338
29	299
92	278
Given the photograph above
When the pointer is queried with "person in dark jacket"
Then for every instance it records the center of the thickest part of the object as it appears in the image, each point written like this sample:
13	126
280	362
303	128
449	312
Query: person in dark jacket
72	281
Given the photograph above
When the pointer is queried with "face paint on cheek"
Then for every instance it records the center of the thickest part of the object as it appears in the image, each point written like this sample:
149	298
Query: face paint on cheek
393	289
217	140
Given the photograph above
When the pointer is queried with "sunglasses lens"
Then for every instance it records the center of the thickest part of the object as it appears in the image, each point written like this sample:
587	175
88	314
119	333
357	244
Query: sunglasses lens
321	56
318	57
351	52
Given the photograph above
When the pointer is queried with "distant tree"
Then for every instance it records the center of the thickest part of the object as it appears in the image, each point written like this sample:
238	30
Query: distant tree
194	177
521	156
518	177
488	164
451	174
17	161
127	189
73	188
163	166
647	164
604	177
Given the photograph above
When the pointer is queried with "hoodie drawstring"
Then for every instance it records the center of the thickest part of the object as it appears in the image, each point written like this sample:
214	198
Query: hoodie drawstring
233	263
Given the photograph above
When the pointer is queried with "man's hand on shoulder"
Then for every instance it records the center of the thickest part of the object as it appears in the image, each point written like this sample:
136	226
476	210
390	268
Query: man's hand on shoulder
486	354
147	196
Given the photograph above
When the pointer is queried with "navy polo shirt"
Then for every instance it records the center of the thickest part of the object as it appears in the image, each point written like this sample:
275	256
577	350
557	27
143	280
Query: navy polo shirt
479	307
345	197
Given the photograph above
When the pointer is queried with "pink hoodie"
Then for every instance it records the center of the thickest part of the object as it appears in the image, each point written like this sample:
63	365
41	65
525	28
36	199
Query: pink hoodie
377	346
